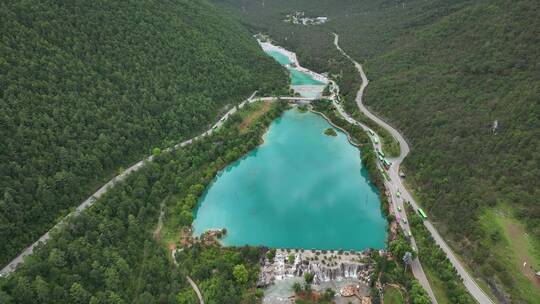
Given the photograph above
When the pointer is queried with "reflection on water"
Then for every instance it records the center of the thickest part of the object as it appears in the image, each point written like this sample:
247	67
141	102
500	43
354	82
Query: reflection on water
299	189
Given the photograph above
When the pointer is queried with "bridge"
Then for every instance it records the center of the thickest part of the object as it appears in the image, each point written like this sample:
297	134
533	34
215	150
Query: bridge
291	98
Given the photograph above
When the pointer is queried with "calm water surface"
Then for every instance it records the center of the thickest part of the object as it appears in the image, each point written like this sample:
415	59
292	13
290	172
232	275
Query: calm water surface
300	189
297	77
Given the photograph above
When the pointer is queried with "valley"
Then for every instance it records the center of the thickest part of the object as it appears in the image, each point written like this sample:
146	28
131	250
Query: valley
238	151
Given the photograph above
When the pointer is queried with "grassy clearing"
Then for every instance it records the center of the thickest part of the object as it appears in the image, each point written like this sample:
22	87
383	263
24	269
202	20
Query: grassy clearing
409	184
257	109
393	295
517	250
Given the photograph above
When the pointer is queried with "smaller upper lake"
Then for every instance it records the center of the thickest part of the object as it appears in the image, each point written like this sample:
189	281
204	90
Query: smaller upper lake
300	189
297	77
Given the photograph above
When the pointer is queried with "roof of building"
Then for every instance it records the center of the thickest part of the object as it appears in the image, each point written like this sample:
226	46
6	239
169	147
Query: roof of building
349	291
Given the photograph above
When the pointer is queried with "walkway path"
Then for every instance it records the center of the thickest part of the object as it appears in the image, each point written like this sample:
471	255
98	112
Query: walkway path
90	201
196	289
396	185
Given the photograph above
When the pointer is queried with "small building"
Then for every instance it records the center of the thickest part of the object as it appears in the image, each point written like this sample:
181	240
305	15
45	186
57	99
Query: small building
349	291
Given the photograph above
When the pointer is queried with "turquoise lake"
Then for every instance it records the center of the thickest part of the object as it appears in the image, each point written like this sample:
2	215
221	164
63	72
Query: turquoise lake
300	189
297	77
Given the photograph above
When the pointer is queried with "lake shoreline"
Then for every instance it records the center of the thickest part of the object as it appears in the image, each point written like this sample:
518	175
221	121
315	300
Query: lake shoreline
262	190
349	137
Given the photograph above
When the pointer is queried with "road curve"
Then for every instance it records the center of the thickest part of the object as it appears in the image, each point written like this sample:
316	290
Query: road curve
396	184
416	266
90	201
397	203
196	289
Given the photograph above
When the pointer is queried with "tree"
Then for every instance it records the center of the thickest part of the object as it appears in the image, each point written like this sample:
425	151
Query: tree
308	277
271	254
78	294
42	289
398	248
290	258
297	287
156	151
187	297
328	294
419	294
241	274
57	258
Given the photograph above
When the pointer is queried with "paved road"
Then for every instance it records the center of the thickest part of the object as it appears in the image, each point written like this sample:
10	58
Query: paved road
396	184
416	266
90	201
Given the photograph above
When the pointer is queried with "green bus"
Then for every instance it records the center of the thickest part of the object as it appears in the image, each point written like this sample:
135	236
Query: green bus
380	153
386	163
422	214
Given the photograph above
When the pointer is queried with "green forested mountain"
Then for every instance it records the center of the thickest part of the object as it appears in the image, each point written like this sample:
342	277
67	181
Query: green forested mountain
445	73
88	87
111	254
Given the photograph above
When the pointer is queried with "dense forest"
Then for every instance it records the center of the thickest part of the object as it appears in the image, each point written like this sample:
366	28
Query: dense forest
461	80
89	87
110	254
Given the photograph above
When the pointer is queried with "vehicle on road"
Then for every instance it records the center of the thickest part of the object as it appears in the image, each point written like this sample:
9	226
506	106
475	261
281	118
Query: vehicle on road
409	233
399	209
371	132
404	221
375	140
398	194
422	214
381	153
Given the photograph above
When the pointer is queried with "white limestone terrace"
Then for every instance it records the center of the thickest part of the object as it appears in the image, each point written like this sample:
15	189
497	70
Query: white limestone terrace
307	90
325	265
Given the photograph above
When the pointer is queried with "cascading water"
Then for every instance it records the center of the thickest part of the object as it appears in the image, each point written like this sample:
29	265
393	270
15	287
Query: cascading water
325	267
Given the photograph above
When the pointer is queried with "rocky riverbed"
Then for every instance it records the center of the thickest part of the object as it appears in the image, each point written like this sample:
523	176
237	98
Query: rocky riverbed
331	269
325	265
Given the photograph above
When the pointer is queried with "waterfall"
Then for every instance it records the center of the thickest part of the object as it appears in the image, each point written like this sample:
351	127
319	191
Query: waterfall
325	267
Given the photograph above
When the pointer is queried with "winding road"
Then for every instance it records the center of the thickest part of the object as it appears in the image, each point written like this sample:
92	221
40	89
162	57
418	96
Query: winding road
395	184
90	201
